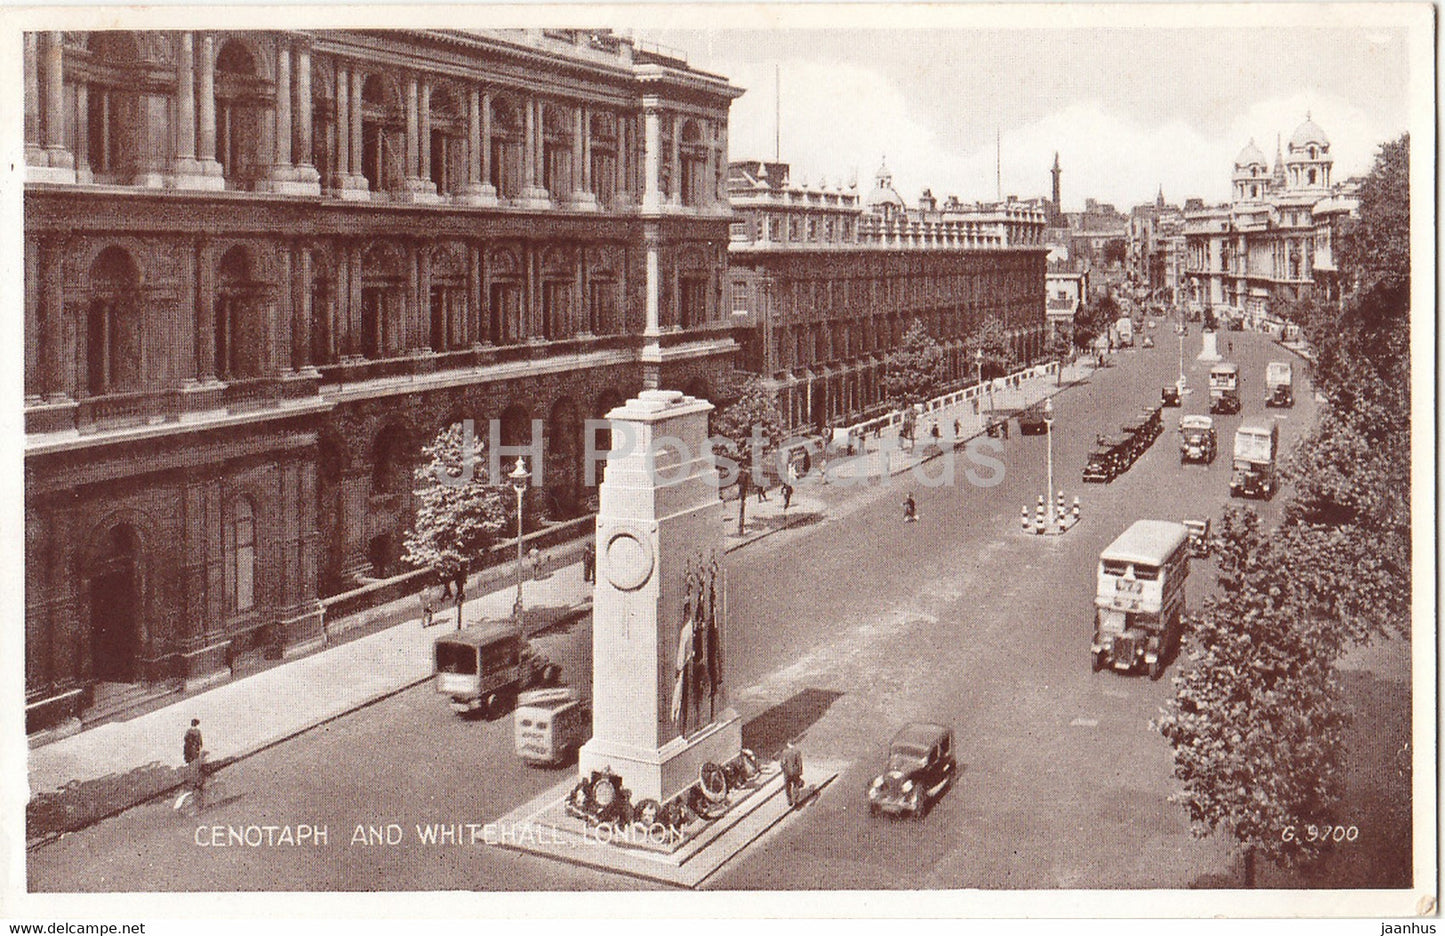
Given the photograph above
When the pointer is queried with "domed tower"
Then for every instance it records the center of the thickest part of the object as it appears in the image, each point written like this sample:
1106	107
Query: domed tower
884	199
1251	174
1309	161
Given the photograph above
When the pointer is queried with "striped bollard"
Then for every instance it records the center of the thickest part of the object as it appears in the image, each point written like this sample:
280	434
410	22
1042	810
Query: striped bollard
1076	510
1039	516
1061	505
1024	518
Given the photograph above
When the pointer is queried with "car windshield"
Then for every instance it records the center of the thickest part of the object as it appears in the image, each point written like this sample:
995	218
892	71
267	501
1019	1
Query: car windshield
904	760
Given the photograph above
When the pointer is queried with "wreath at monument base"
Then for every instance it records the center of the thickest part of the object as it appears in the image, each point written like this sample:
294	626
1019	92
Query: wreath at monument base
601	799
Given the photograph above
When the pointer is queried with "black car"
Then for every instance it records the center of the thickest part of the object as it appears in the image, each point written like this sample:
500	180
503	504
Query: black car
1031	422
920	767
1169	396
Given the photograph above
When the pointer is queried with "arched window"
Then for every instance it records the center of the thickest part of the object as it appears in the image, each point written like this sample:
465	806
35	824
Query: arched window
506	155
556	152
693	157
239	318
112	327
383	124
112	114
241	557
241	106
447	143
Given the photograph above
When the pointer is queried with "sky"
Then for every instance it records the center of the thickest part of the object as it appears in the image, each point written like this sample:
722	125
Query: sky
1127	109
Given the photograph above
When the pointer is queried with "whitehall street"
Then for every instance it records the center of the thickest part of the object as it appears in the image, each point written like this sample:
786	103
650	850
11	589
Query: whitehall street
843	629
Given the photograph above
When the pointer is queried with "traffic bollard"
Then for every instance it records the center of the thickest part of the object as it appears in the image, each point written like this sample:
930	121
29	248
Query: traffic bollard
1024	517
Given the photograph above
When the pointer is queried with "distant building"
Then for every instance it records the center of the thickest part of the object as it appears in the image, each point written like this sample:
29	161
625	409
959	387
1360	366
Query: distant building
1095	234
1155	239
828	280
1066	294
1273	243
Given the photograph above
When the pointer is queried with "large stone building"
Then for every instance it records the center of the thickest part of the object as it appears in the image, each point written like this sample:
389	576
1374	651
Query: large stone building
261	268
827	282
1273	243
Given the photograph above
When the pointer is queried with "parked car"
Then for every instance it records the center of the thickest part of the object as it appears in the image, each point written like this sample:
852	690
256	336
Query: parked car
1031	422
920	767
1169	396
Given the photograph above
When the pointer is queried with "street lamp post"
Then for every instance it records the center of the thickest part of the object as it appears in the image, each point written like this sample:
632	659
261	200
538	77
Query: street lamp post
1181	349
1049	433
978	363
519	478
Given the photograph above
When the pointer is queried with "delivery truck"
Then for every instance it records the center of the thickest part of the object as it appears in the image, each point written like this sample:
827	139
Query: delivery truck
1279	384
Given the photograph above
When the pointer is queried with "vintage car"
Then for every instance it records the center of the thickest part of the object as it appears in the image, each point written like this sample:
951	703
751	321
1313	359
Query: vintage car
920	767
1197	439
1137	432
1148	341
1199	538
1169	396
1031	422
1153	417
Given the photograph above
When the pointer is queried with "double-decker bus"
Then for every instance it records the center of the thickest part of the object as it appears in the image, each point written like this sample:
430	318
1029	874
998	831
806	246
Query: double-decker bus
1139	602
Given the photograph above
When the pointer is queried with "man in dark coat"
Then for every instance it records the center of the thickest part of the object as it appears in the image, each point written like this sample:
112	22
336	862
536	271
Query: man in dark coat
191	747
791	764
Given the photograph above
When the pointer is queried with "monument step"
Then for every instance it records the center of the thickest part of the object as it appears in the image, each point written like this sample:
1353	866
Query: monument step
542	827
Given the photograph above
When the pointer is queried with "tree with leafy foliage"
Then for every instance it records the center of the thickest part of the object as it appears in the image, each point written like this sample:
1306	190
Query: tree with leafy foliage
1116	251
1093	319
913	371
1349	520
993	340
746	416
1257	722
459	513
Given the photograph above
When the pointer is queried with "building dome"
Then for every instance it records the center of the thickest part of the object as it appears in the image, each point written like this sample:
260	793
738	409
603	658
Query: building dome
1307	133
1250	156
883	192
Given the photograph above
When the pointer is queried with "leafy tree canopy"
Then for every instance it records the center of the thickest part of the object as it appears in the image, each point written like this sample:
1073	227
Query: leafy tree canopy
456	522
993	340
745	403
913	371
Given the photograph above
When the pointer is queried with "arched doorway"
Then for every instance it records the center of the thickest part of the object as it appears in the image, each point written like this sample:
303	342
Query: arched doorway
114	593
112	115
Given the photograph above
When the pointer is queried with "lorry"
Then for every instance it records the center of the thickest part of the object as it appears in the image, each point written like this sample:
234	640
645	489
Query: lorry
1124	332
1256	446
1279	384
549	726
482	669
1224	388
1139	601
1198	442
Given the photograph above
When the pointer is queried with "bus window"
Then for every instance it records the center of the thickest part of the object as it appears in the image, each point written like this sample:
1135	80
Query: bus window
1115	567
1146	573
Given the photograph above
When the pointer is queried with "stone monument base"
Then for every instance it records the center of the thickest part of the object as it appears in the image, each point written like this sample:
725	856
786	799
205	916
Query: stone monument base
1210	350
663	773
684	859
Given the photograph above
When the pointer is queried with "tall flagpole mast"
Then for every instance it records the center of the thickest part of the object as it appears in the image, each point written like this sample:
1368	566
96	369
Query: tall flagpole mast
998	162
777	113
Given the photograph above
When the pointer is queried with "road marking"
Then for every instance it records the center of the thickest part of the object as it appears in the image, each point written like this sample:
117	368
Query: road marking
1116	693
1084	723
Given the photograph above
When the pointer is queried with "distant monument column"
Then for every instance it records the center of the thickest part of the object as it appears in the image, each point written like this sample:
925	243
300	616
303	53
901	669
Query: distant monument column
659	650
1210	351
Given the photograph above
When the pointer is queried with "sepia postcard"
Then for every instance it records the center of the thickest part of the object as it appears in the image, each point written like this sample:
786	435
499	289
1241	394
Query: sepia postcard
789	460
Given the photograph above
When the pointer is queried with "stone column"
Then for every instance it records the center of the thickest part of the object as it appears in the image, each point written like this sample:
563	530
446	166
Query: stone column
674	184
582	197
621	187
353	313
189	171
343	128
357	175
305	130
422	327
205	311
304	314
651	156
651	347
412	306
82	133
281	170
185	102
34	151
534	193
479	189
206	113
423	170
52	321
59	159
412	147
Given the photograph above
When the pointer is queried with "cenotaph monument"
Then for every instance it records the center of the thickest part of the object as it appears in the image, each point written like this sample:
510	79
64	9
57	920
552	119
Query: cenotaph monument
659	637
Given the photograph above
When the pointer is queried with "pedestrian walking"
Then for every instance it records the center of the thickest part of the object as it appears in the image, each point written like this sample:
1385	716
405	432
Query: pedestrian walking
428	609
191	745
933	431
791	764
762	493
910	509
589	562
957	430
787	491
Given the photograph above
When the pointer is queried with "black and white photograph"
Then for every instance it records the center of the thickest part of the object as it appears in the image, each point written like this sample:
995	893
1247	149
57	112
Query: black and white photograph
795	460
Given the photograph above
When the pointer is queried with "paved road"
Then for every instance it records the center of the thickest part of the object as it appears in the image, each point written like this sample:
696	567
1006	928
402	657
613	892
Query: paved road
842	630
